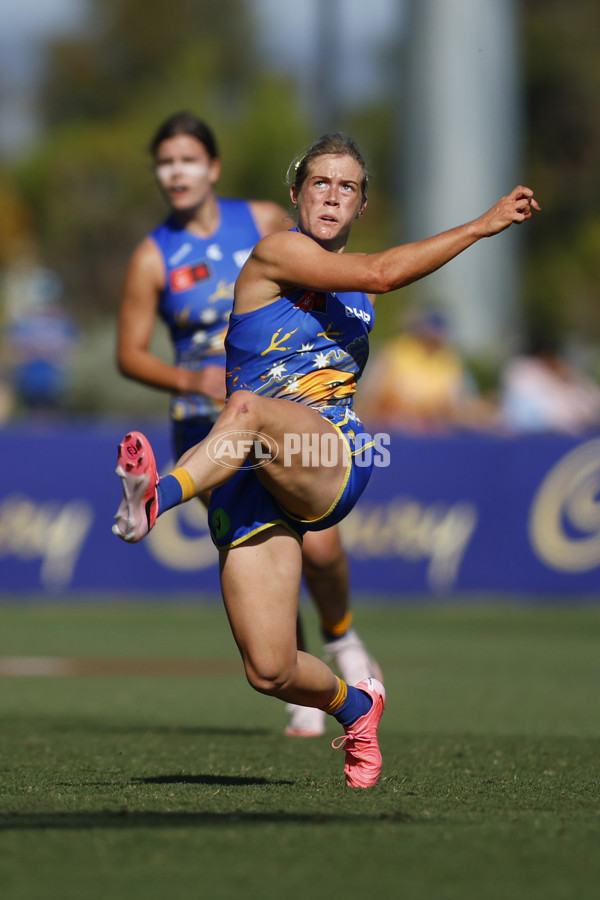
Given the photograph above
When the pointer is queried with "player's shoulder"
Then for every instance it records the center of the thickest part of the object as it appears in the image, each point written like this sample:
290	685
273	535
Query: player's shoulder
146	256
276	243
269	216
147	248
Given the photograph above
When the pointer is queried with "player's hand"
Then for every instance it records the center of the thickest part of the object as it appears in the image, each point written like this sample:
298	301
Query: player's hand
513	209
210	381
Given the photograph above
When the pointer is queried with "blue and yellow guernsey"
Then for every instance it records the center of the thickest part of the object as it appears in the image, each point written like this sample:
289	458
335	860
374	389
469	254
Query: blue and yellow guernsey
308	346
200	274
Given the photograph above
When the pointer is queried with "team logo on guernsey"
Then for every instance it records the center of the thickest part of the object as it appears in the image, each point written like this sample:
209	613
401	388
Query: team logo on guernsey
186	277
312	301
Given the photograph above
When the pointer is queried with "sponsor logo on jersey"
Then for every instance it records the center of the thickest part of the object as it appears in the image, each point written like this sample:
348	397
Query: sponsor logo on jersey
186	277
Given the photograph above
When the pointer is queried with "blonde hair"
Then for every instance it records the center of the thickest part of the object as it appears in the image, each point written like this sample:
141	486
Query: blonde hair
335	144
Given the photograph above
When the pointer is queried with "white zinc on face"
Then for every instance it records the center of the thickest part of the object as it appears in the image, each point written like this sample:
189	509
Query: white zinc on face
167	172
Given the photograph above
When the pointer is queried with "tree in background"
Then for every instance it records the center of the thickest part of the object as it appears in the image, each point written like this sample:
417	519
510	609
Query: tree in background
89	184
562	83
134	54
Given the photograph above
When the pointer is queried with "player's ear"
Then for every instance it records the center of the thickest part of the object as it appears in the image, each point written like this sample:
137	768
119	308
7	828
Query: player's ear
214	172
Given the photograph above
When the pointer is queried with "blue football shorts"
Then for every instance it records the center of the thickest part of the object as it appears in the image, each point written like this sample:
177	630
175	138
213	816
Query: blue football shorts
189	432
243	507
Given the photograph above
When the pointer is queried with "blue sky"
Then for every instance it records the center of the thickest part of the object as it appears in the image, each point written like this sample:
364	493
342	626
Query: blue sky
34	18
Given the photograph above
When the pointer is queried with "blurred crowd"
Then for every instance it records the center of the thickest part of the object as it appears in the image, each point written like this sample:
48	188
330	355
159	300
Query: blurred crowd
37	340
542	391
419	382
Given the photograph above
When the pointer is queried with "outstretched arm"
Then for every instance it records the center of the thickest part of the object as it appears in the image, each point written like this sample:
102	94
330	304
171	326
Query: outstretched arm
403	265
290	259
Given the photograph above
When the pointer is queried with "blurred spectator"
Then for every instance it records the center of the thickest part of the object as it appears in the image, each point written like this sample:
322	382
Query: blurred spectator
419	382
542	391
39	337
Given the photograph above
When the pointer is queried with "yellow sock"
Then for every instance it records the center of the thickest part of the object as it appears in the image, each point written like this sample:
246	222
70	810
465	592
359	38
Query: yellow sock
188	487
337	629
339	698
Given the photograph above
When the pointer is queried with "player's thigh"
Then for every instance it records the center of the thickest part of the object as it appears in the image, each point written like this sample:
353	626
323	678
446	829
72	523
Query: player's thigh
311	461
260	581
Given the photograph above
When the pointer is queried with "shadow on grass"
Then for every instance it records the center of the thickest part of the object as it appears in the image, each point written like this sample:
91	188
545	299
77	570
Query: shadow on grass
83	725
188	730
231	780
147	819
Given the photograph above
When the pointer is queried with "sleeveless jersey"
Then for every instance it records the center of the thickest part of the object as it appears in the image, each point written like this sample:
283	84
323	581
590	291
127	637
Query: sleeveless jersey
195	304
308	346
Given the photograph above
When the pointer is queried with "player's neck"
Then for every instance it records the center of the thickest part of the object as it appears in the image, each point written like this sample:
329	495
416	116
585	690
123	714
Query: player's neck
203	219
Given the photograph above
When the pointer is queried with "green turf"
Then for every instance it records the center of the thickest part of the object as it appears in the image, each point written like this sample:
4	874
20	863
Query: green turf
179	786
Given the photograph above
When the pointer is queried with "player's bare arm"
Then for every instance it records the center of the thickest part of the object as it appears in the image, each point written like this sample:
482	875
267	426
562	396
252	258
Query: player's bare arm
144	281
403	265
141	291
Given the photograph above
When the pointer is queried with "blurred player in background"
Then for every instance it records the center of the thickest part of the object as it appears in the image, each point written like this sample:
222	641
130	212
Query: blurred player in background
184	271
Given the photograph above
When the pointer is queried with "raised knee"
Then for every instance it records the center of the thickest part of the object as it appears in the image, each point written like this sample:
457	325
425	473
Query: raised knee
322	560
241	403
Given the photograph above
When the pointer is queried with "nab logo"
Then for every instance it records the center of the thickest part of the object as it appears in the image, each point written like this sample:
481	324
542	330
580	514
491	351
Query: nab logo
312	301
186	277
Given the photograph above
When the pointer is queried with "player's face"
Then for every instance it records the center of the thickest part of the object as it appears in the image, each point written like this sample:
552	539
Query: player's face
330	199
185	172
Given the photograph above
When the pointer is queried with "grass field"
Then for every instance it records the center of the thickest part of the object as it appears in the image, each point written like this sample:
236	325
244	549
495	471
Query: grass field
157	773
